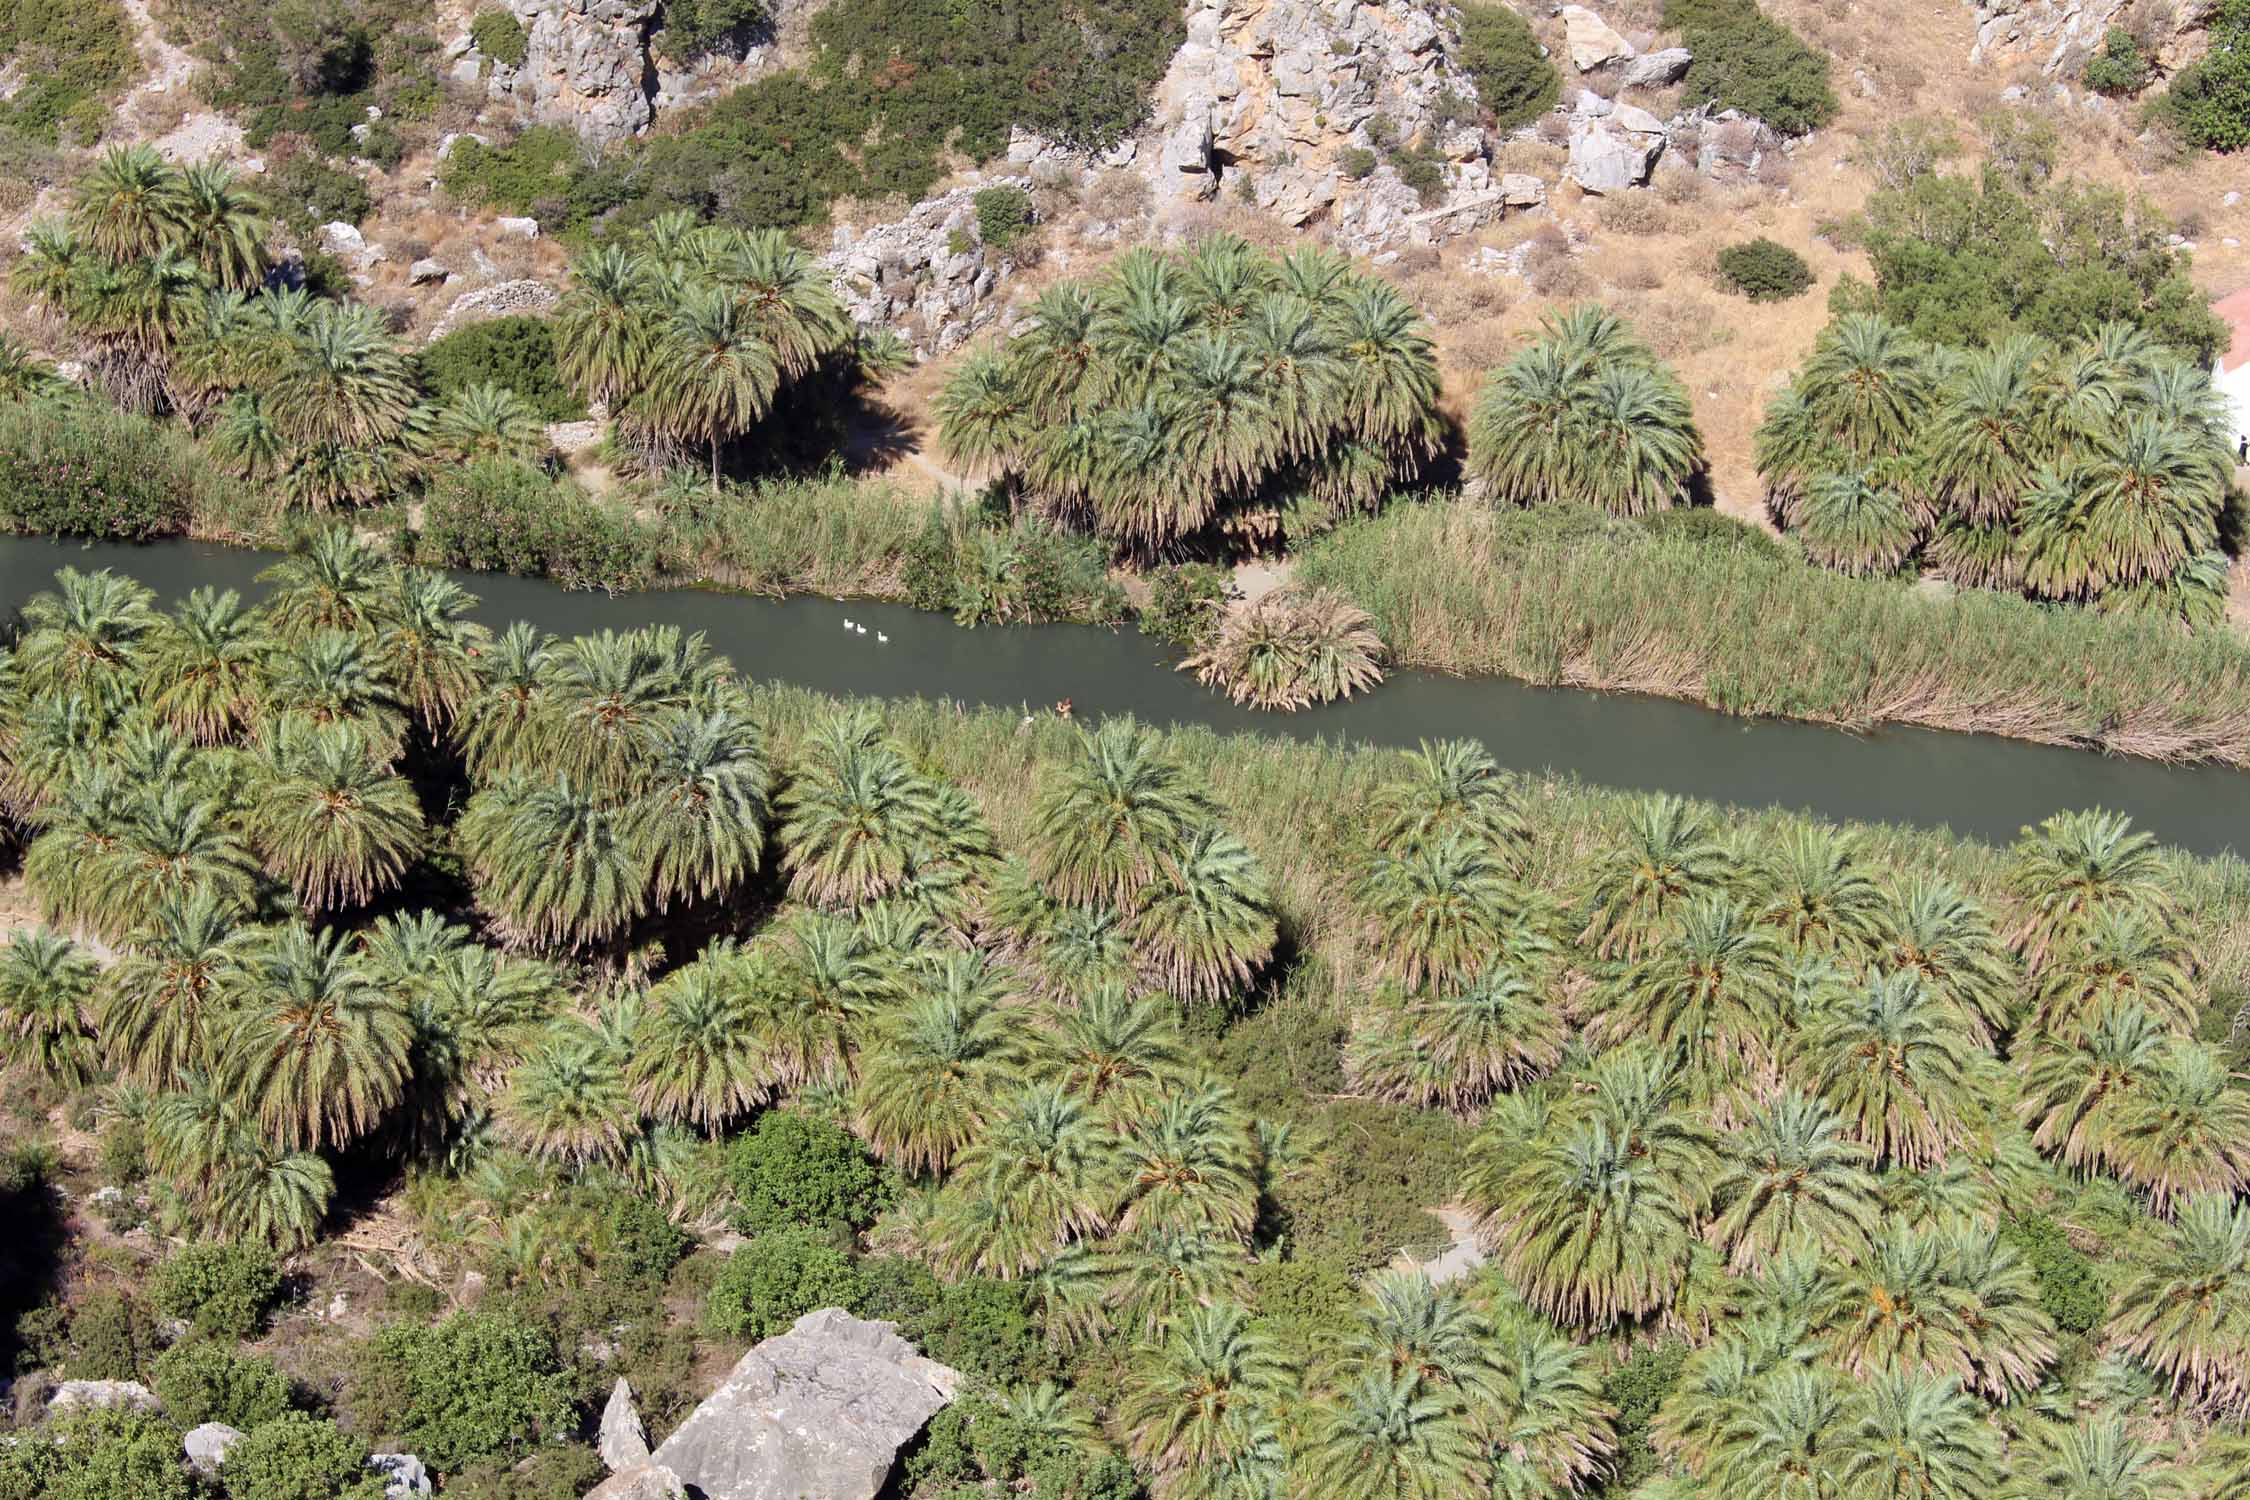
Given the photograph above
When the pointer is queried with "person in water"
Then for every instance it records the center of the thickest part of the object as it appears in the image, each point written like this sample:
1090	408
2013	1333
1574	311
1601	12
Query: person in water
1062	709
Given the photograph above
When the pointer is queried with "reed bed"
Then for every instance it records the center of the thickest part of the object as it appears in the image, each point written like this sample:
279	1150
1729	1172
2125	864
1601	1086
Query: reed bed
1569	600
846	538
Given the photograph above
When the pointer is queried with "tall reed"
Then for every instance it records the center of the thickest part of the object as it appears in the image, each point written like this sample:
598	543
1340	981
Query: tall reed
1571	600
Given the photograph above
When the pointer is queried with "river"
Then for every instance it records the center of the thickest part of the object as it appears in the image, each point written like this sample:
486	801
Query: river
1983	786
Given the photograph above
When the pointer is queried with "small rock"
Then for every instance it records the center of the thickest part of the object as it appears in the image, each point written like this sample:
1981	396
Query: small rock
1603	160
1637	120
2230	200
1656	69
1590	40
403	1474
106	1395
2014	93
650	1481
341	239
1522	190
427	272
522	229
623	1441
207	1446
447	141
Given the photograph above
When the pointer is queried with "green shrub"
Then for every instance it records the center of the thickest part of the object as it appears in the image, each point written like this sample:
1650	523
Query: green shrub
224	1290
111	1337
306	192
516	177
1765	271
497	517
500	36
2119	69
985	1327
201	1380
2070	1286
1423	170
558	1471
482	1384
73	467
1183	604
1634	1390
638	1243
692	27
72	56
1355	162
1746	60
517	353
1004	215
1712	528
97	1455
2209	99
775	1279
795	1170
1516	81
124	1151
297	1456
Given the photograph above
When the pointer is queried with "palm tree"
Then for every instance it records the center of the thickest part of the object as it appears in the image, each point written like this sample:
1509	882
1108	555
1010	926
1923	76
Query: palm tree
1184	1397
91	631
161	1005
129	206
1793	1172
503	727
698	1057
1955	1304
335	584
331	678
1452	786
1781	1436
1207	925
1459	1047
1406	1325
1984	439
427	647
2078	1090
713	375
1869	386
1543	1409
214	223
2123	958
2072	868
2152	500
2184	1311
1119	810
24	374
551	863
854	818
1039	1178
1187	1164
1863	521
314	1047
174	841
489	422
984	420
1667	857
341	380
1435	911
1934	931
1386	1436
200	670
787	295
2185	1130
604	325
1919	1436
2095	1458
1816	896
266	1194
934	1074
611	697
701	824
46	993
1894	1061
1718	988
568	1099
1112	1045
329	819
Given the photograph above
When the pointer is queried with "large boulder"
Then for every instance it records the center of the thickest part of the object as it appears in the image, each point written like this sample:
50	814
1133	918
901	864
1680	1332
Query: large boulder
623	1441
928	275
206	1447
817	1413
130	1395
647	1481
404	1475
1591	41
1656	69
1606	157
586	65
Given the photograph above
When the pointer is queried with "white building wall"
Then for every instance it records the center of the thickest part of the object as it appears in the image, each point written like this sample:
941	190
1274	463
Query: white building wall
2234	385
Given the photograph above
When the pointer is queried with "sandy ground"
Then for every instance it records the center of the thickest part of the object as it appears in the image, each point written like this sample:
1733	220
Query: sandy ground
1461	1259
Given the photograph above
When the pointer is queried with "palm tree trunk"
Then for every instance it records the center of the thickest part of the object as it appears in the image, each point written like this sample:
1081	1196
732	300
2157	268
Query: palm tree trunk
714	463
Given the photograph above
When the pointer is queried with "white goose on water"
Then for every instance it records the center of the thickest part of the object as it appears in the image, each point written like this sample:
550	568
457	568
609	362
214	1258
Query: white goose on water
849	626
882	639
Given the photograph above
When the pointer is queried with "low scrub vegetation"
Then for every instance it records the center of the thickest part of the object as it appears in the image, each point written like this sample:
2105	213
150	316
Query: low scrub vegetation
1214	396
2208	101
1561	596
70	59
1746	60
1765	271
1104	1064
1516	81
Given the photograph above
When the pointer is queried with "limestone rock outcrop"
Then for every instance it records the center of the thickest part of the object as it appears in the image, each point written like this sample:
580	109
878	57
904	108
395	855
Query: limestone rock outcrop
821	1410
206	1447
1275	93
622	1441
130	1395
586	65
2061	34
1612	147
927	275
1591	41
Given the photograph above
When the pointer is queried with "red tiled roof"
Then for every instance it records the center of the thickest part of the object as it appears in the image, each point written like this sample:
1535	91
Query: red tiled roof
2235	310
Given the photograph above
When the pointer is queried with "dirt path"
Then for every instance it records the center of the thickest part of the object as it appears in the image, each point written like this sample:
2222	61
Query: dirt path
1462	1258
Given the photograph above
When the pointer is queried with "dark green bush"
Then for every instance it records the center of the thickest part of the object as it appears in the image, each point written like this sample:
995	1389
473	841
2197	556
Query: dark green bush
111	1337
1004	215
497	517
2070	1286
97	1455
985	1327
2119	70
1634	1390
201	1380
692	27
1366	1195
77	468
225	1290
558	1471
1355	162
638	1243
1746	60
500	36
1765	271
124	1151
517	353
297	1456
1711	528
515	177
775	1279
795	1170
482	1384
1423	170
71	56
1516	81
306	192
2209	99
1183	604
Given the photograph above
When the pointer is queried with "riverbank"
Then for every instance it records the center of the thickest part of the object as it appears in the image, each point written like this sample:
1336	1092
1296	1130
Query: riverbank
1571	599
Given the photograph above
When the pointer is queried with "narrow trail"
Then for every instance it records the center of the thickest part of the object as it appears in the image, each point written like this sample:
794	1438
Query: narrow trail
1462	1258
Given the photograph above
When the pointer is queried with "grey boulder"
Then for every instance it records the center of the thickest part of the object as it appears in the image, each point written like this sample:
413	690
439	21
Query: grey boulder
1605	159
623	1441
648	1481
207	1446
403	1474
1655	69
817	1413
105	1394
